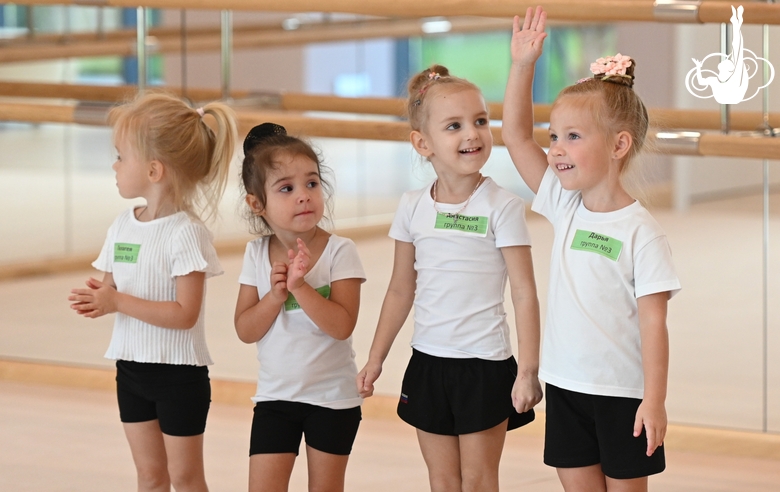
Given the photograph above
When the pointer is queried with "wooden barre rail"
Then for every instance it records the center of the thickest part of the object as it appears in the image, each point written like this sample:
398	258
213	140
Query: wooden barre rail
713	145
169	41
660	117
709	11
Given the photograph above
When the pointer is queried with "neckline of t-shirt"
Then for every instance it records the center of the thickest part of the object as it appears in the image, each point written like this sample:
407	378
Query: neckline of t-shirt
618	214
153	221
479	189
267	245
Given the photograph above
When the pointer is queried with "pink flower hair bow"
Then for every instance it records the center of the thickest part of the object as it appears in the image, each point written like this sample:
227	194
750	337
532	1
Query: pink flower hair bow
611	65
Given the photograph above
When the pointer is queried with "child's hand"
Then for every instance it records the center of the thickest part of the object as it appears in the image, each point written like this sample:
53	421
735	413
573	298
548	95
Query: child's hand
526	392
299	265
94	301
366	377
527	43
653	418
279	282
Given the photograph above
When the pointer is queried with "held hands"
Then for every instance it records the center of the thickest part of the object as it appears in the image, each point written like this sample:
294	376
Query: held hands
366	378
527	42
299	265
94	301
526	392
653	418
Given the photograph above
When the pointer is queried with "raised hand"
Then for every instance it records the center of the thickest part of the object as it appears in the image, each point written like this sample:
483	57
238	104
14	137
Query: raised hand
299	265
527	42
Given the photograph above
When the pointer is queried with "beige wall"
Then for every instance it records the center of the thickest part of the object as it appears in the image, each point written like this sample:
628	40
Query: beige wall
258	69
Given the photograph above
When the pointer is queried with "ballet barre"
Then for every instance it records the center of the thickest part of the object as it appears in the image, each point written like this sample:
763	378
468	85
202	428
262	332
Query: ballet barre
697	12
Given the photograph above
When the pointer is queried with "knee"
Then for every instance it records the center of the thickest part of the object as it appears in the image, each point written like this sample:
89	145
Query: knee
188	480
479	482
155	478
445	483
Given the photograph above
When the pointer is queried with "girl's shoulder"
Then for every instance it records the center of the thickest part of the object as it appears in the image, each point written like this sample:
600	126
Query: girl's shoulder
257	246
497	193
338	245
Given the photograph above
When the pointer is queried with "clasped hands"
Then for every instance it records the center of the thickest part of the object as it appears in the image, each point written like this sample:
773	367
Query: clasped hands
288	277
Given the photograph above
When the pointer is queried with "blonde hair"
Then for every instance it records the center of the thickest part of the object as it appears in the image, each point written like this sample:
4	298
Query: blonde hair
163	127
430	80
615	108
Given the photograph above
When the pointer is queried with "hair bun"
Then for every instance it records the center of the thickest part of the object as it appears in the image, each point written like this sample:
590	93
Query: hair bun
618	69
260	133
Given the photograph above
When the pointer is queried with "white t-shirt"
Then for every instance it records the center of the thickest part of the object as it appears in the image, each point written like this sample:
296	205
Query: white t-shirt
298	361
461	274
601	263
145	258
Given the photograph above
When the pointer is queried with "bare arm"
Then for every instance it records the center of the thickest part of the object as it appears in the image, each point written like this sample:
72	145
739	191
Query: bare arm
655	365
255	316
395	309
101	298
527	391
518	125
336	316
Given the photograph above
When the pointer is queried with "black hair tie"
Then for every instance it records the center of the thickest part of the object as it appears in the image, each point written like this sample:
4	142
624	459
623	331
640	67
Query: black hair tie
261	132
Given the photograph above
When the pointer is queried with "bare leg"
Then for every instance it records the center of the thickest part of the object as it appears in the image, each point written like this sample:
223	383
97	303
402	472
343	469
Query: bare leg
185	463
148	449
632	485
480	455
326	471
442	457
583	479
270	472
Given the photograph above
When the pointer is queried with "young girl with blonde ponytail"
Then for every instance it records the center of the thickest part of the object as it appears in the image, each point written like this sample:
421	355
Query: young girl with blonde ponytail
156	260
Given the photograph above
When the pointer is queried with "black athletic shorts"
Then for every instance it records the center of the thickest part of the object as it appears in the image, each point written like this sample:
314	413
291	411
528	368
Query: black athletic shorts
459	396
584	430
177	395
277	427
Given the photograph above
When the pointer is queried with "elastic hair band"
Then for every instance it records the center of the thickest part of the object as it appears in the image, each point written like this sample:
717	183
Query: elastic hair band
200	112
431	77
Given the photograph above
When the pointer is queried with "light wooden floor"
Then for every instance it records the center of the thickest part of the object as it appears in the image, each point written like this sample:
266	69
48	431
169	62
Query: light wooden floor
64	439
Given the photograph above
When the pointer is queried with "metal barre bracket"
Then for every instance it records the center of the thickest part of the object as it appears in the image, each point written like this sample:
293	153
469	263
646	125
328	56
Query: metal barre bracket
91	113
686	11
678	143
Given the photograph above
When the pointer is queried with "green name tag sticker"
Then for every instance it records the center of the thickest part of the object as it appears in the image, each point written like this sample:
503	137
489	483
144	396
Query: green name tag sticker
126	253
292	305
472	224
597	243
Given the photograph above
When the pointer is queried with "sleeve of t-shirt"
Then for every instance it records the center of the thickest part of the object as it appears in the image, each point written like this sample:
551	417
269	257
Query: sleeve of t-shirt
192	251
105	261
550	197
401	227
249	267
654	269
346	262
510	227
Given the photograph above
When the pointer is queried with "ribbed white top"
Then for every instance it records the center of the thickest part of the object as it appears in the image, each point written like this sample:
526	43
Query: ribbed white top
145	258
